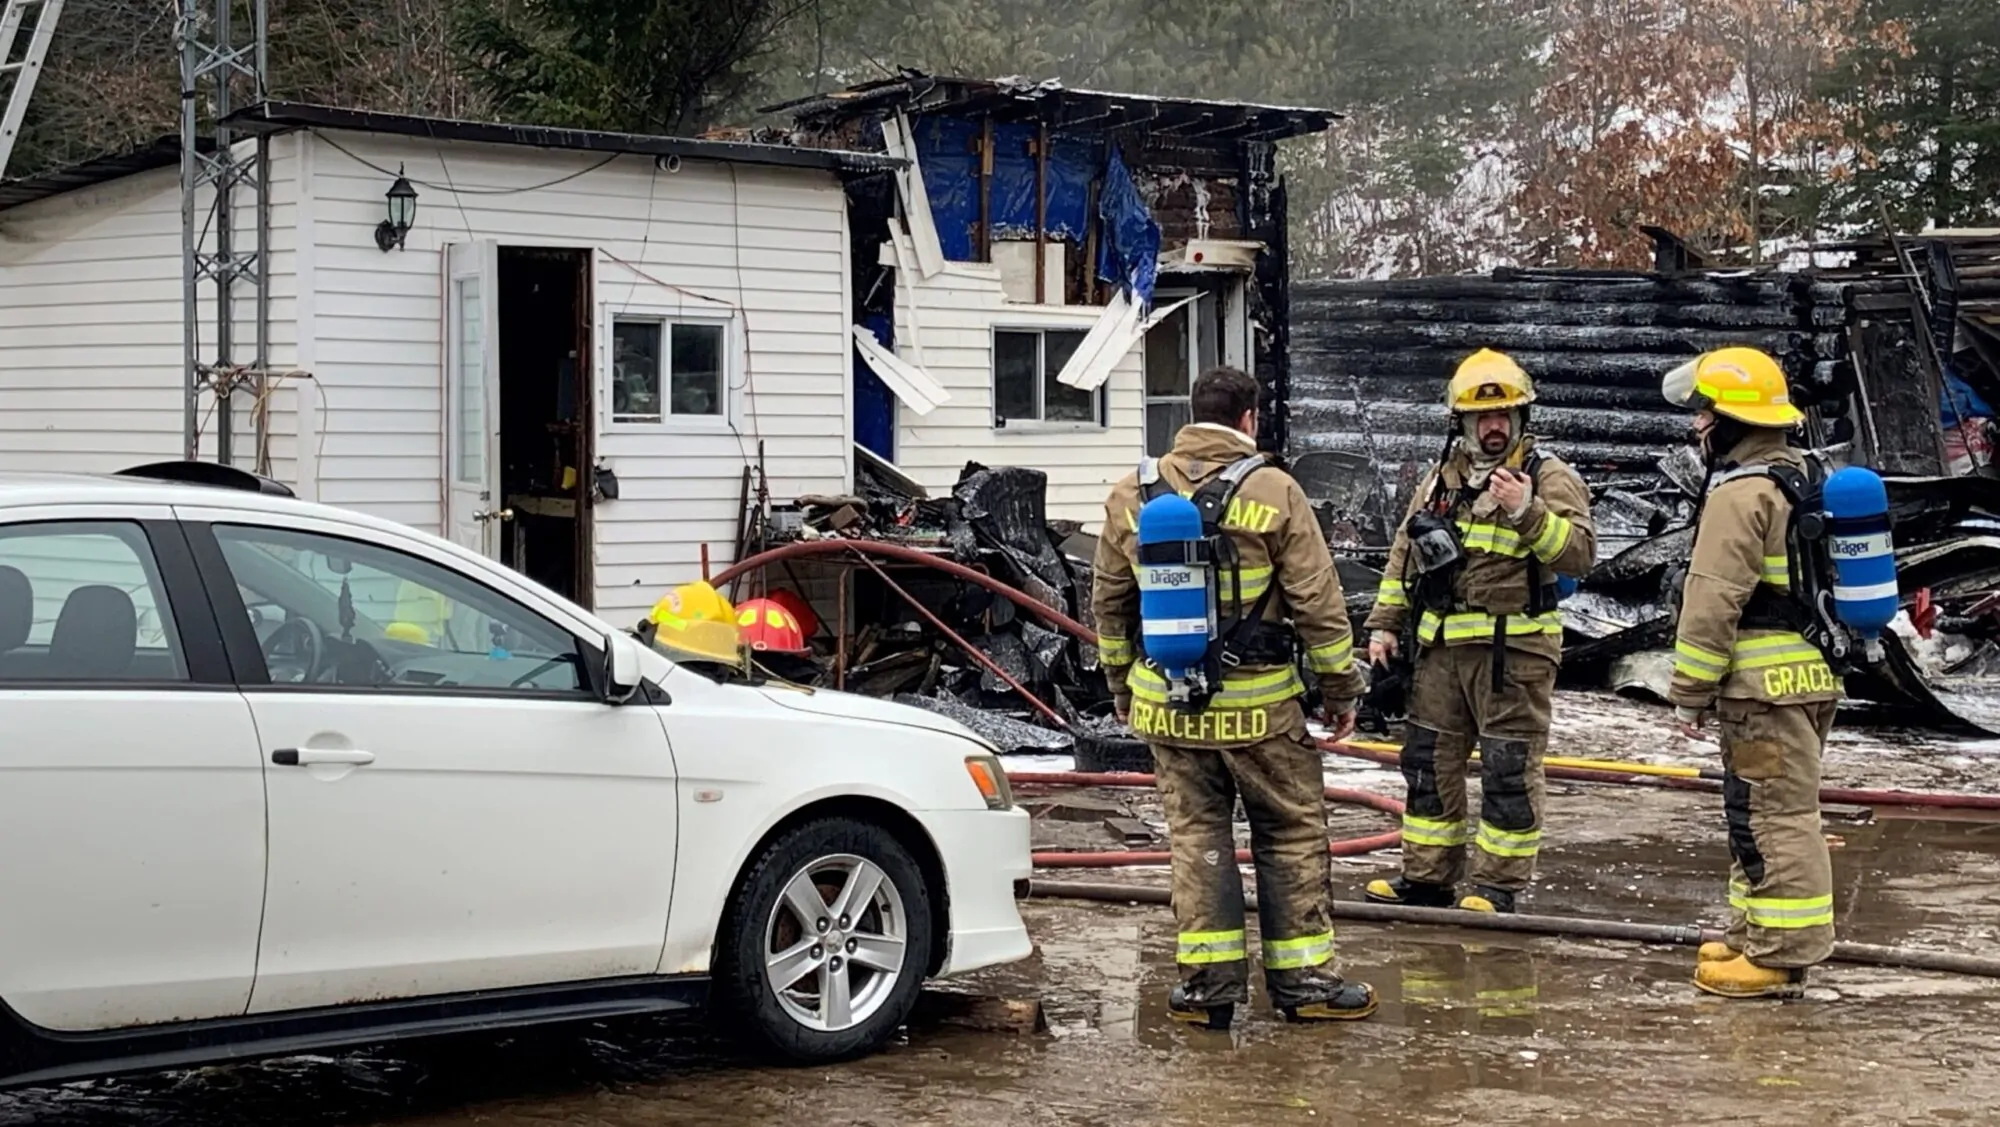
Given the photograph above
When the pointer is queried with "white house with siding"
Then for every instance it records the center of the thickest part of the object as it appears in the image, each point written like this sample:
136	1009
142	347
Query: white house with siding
665	311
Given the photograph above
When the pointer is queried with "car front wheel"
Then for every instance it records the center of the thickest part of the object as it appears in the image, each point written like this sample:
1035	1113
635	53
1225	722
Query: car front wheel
831	936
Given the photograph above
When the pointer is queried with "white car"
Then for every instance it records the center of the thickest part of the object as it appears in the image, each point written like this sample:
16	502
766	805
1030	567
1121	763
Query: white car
276	777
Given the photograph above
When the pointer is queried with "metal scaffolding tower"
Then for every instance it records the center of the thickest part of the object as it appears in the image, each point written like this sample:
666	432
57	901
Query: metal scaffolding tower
215	69
25	69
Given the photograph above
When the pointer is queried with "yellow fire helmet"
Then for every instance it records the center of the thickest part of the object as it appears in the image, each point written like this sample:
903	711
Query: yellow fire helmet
1488	381
692	602
719	643
407	632
1744	384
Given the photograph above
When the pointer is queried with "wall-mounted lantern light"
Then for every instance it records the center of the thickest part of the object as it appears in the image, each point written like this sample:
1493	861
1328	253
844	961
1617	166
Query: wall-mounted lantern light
402	212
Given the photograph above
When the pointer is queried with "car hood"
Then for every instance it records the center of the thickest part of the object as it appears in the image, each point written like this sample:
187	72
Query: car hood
851	706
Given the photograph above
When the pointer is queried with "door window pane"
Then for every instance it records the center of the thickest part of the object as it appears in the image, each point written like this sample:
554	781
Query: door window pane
336	612
697	369
635	370
469	383
82	601
1064	404
1016	359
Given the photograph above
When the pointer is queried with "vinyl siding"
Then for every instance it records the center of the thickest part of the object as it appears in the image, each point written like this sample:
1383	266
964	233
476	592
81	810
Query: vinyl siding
957	312
767	247
91	324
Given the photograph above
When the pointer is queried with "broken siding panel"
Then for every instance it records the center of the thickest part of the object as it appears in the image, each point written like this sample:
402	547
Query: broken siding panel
957	312
91	321
770	243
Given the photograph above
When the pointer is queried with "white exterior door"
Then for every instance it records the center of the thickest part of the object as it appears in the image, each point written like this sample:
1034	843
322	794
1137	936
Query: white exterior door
451	807
131	784
472	397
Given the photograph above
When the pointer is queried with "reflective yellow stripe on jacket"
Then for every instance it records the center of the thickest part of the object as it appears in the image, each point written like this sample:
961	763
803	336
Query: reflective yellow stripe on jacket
1554	538
1495	539
1114	651
1391	593
1777	571
1471	625
1239	691
1702	665
1334	657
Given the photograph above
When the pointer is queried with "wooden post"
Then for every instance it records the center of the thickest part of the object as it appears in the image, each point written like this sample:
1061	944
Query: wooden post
986	189
840	629
1041	214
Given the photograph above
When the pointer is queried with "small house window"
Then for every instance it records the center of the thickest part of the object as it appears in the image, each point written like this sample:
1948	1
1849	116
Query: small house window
1026	363
663	369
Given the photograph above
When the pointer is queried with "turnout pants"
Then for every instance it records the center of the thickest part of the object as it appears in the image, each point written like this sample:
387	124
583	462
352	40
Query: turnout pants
1780	875
1453	708
1281	784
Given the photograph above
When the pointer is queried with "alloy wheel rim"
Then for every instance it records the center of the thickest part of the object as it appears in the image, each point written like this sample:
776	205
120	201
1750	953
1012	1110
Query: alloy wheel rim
836	943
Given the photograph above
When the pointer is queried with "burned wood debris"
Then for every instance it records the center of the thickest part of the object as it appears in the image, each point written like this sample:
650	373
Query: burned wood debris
1895	356
933	638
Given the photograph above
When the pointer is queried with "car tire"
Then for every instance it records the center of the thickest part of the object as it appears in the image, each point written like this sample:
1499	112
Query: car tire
766	937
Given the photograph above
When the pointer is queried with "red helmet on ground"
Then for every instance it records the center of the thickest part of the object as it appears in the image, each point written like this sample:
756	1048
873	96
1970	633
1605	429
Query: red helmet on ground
769	628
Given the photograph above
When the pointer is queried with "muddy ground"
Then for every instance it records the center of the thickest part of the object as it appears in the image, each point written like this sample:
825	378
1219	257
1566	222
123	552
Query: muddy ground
1474	1028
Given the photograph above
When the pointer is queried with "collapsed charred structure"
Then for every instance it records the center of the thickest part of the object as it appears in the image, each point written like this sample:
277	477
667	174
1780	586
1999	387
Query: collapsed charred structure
1891	355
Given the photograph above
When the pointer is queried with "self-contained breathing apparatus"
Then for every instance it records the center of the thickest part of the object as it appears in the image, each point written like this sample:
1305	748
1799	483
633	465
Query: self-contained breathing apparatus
1840	557
1185	558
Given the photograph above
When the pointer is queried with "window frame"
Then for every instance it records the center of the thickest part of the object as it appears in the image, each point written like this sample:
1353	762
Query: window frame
667	316
246	653
180	590
1041	423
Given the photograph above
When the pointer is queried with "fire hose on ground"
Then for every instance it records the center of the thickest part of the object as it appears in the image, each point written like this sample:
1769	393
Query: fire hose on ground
1685	935
1578	770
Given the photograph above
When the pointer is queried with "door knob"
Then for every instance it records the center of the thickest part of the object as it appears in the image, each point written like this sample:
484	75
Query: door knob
485	515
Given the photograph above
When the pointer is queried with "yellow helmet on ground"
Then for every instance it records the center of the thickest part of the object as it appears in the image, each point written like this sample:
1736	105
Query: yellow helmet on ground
1488	381
1739	383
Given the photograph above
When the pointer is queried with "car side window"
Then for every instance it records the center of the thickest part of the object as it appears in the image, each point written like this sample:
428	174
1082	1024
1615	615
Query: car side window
344	613
81	601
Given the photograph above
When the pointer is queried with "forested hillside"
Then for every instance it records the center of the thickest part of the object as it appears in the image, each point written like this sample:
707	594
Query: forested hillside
1479	132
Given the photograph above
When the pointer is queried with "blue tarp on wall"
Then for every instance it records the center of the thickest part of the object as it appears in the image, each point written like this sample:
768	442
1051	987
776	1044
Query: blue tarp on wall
945	148
874	403
1128	250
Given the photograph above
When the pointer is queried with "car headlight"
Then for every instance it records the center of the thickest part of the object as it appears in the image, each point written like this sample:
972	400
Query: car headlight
991	781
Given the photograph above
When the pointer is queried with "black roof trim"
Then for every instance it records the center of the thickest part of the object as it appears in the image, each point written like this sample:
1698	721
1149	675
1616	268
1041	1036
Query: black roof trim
162	152
284	116
1192	120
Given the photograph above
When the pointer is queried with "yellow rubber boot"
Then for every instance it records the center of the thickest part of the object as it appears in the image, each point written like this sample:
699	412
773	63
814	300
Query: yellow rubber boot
1741	978
1715	953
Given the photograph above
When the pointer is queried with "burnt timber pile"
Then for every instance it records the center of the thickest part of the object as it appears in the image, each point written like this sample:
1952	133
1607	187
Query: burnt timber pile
1370	358
1867	348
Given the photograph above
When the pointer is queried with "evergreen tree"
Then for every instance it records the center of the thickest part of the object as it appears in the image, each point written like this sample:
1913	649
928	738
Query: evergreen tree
1919	89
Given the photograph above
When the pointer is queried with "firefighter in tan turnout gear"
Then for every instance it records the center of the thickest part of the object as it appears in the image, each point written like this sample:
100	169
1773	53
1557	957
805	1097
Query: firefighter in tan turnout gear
1248	740
1476	561
1739	653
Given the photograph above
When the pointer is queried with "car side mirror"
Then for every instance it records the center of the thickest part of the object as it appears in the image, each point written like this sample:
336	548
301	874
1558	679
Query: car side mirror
621	669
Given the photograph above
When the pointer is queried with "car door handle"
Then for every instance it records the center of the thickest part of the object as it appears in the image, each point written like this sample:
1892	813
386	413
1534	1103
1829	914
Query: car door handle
308	756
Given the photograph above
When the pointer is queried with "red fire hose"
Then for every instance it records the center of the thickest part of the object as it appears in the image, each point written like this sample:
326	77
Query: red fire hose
834	547
1094	860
